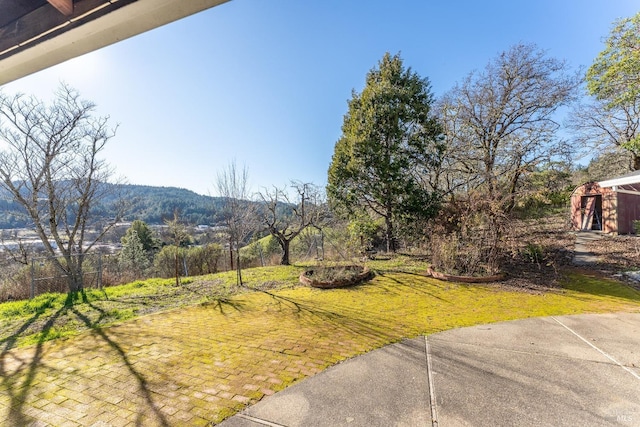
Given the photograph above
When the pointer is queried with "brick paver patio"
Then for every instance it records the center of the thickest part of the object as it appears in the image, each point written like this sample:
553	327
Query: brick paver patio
195	366
184	367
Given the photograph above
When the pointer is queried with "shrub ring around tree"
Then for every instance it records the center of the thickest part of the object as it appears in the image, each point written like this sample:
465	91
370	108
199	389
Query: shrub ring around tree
465	279
335	277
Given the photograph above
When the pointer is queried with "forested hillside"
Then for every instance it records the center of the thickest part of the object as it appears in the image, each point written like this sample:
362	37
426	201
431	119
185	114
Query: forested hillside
151	204
155	204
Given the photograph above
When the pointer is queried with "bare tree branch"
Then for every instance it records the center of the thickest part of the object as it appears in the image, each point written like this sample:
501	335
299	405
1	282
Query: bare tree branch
499	123
50	164
238	211
285	217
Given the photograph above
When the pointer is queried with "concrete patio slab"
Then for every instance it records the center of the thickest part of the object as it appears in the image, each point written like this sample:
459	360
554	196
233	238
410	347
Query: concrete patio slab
489	386
581	255
611	333
543	336
355	393
554	371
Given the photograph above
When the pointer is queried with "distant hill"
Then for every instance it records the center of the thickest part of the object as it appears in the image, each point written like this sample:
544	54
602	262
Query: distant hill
155	204
150	204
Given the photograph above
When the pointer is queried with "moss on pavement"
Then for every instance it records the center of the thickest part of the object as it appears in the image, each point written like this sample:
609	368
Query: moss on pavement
200	364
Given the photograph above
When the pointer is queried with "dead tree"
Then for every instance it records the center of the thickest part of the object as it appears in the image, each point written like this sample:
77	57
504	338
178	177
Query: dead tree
50	165
286	217
238	211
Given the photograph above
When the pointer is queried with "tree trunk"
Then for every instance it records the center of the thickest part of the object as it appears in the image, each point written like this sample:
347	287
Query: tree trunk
285	252
636	162
177	268
391	244
239	269
74	273
512	193
75	283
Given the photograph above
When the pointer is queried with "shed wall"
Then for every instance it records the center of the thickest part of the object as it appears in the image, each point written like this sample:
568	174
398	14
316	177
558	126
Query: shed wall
610	221
628	211
575	211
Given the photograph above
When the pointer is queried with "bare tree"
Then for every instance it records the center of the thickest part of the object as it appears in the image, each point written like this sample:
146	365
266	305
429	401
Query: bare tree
50	165
238	211
598	126
286	218
605	164
178	235
500	123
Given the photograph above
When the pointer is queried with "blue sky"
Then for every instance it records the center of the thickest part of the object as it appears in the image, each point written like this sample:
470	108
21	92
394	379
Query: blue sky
267	82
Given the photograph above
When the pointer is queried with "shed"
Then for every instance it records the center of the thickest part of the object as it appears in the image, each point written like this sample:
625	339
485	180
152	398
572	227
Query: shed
610	206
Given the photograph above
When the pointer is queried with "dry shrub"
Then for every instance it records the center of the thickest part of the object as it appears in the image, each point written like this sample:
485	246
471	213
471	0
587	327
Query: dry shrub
47	279
13	288
330	273
340	244
18	286
468	237
17	279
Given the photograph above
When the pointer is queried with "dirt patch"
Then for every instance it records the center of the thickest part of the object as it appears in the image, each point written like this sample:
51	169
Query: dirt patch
537	251
616	253
540	250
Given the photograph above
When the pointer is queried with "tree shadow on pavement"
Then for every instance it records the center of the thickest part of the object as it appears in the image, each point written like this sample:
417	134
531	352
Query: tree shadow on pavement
221	303
140	379
340	316
414	288
19	367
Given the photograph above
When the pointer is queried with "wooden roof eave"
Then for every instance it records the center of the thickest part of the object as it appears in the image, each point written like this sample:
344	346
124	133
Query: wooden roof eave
65	7
624	185
43	39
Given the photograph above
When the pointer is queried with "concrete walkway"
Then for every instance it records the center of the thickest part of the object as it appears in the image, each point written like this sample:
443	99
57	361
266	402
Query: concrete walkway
556	371
581	255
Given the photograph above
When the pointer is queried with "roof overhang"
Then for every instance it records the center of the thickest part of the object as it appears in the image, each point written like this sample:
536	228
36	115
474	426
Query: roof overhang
58	30
628	184
624	180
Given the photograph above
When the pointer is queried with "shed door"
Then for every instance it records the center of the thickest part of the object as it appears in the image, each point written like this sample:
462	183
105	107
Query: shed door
591	208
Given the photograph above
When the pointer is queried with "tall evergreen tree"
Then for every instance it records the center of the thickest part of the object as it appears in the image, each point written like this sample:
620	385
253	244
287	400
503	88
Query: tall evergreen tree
390	143
144	234
133	256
